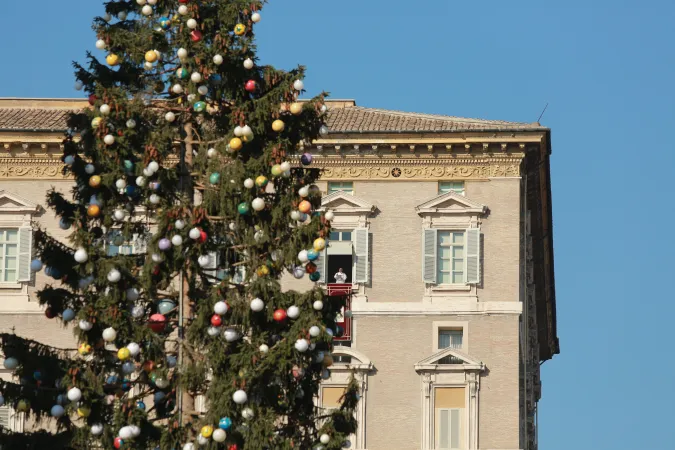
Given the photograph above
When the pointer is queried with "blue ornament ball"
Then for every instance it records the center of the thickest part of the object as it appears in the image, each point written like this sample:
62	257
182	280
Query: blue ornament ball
128	367
306	159
64	224
68	315
93	200
312	255
70	159
36	265
159	396
57	411
165	306
55	273
131	190
225	423
171	361
316	276
61	399
140	405
165	23
112	379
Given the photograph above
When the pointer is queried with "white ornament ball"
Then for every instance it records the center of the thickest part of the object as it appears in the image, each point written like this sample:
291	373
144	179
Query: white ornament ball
119	214
302	256
298	85
293	312
239	397
74	394
100	44
330	215
135	430
182	10
318	305
81	255
220	308
196	77
264	348
154	199
192	24
232	226
303	191
257	305
153	166
147	172
122	15
177	240
109	334
301	345
247	413
217	60
120	183
146	10
247	131
231	334
325	439
140	181
170	117
152	2
11	363
148	65
201	440
85	325
238	131
89	169
162	382
204	260
255	17
125	433
78	86
134	348
314	331
249	183
96	429
107	17
285	166
182	53
195	233
157	257
213	331
114	276
179	224
141	2
258	204
323	130
295	215
219	435
248	63
177	89
203	90
131	123
189	446
137	311
109	139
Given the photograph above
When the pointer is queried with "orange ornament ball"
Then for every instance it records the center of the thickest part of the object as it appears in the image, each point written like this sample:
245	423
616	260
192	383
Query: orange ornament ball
310	267
95	181
235	144
93	211
305	206
148	366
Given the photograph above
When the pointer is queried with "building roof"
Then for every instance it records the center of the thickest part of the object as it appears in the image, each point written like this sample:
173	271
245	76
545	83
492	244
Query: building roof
343	117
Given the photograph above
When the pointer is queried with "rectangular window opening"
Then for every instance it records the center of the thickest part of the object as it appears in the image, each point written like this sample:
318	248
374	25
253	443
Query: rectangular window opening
344	186
9	254
450	338
450	261
451	186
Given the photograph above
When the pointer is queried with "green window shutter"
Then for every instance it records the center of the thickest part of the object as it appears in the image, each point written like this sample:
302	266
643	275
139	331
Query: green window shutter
361	253
25	253
472	256
429	251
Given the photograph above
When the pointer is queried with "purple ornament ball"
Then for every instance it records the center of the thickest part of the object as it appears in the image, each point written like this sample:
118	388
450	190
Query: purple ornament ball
306	159
164	244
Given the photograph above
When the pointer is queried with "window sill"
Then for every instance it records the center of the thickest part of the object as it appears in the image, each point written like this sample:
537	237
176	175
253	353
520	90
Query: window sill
450	287
11	285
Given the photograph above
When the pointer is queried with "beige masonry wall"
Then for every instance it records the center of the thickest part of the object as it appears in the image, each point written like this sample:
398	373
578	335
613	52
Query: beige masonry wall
395	344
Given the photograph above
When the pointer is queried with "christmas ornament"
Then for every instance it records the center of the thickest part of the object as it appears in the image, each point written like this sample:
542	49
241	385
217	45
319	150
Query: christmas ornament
316	276
100	44
207	431
298	272
298	372
276	170
183	10
247	413
278	125
204	260
225	423
257	305
235	144
203	90
96	429
109	139
247	132
285	166
314	331
165	306
323	131
293	312
57	411
199	106
239	29
220	308
279	315
214	178
298	85
67	315
217	60
262	271
109	334
305	206
196	35
119	442
112	59
231	334
325	439
104	109
301	345
94	181
264	348
177	89
303	191
192	24
196	77
243	208
296	108
164	244
161	382
239	397
151	56
190	445
318	305
165	23
157	323
306	159
194	233
81	255
216	320
302	256
248	63
255	17
177	240
114	276
74	394
258	204
250	86
84	349
134	348
182	53
248	183
219	435
211	152
123	354
329	215
11	363
170	117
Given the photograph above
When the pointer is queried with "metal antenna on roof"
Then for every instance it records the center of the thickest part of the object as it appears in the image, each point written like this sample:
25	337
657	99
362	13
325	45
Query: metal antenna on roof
542	113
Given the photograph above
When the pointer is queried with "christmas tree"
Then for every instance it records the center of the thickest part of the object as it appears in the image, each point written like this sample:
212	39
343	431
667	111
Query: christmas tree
187	156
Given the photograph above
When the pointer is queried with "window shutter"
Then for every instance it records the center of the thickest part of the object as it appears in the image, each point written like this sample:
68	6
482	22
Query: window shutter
429	248
321	266
140	243
4	417
473	256
25	253
361	253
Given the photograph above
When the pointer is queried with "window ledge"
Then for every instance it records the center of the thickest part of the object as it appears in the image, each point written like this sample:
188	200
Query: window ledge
450	287
11	285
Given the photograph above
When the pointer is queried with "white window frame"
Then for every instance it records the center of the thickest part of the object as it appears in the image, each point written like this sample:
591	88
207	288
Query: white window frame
341	188
438	326
461	191
16	419
451	245
3	254
459	414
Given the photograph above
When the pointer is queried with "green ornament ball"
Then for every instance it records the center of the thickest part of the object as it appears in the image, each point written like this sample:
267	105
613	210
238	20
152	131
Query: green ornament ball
214	178
316	276
199	106
128	165
243	208
276	170
182	73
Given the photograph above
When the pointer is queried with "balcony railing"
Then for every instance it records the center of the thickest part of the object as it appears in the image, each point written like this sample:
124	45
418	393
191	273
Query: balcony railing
344	319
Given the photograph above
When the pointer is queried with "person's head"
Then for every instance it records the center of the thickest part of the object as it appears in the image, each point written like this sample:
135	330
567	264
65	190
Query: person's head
340	269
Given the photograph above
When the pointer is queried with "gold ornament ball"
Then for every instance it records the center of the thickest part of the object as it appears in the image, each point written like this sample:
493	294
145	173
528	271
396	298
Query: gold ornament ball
83	411
95	122
23	406
278	125
93	211
112	59
95	181
328	360
123	353
207	431
84	349
151	56
263	271
239	29
319	244
261	181
236	144
305	206
296	108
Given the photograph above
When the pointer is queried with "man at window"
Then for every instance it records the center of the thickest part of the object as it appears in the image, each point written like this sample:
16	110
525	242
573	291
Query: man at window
340	276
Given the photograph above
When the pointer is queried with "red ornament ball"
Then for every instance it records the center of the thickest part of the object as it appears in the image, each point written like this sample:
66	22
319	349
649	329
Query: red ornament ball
280	315
216	320
202	236
156	270
157	322
310	267
49	313
183	1
250	86
92	99
233	447
118	442
196	35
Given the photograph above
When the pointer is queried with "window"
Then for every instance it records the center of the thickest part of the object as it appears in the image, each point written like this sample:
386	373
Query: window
219	269
448	428
342	236
452	339
449	403
344	186
451	186
4	417
9	254
450	259
117	245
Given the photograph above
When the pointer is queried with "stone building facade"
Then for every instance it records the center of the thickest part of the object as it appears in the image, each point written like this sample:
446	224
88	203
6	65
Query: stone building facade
443	228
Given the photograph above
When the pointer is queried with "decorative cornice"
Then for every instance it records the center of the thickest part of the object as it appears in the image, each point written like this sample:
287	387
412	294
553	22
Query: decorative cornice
31	168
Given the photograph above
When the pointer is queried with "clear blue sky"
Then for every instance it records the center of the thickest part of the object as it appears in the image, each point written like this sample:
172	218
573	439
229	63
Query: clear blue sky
607	71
